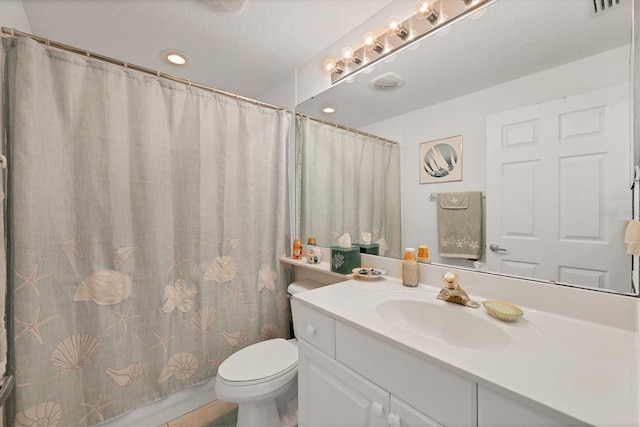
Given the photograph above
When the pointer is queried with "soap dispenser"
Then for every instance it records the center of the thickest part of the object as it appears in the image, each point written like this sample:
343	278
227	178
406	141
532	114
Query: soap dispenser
410	268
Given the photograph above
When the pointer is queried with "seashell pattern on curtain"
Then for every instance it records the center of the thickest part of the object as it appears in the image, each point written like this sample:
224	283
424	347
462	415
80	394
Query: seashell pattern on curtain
146	221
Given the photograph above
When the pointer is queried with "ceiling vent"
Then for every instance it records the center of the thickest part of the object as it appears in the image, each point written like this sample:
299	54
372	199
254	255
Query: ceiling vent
600	6
387	82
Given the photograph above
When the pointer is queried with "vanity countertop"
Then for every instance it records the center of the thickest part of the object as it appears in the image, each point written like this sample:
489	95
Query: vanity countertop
586	370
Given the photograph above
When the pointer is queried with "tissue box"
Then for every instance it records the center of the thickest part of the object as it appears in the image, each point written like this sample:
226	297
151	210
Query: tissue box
343	260
371	249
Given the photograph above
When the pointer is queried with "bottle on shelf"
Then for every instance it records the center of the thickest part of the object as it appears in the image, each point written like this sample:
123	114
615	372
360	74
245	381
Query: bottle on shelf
423	254
297	249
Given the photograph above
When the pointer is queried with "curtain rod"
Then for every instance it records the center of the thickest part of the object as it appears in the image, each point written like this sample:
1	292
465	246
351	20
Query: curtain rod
359	132
15	33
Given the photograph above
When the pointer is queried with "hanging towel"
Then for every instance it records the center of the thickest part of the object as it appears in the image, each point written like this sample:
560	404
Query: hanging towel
460	224
632	237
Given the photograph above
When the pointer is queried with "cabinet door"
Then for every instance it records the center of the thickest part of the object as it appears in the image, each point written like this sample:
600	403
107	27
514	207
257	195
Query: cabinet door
446	397
332	395
403	415
497	410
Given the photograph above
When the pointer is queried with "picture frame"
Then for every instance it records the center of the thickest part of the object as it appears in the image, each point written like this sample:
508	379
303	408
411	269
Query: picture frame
441	160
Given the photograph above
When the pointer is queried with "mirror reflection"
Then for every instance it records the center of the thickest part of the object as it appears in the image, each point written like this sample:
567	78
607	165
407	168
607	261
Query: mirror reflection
540	93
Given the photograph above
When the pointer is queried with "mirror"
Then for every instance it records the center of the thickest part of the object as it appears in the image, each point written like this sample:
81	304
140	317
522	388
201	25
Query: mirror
520	77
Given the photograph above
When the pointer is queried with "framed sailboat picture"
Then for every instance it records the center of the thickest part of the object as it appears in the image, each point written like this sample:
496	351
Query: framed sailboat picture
441	160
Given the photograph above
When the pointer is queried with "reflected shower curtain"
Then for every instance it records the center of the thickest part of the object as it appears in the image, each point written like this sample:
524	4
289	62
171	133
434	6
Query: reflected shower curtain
146	219
349	183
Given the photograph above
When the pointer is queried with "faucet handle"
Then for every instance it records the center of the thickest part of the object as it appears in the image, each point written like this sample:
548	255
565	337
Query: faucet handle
450	280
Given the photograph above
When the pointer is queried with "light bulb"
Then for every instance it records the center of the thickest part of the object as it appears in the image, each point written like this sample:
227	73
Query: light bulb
425	10
328	109
395	24
331	66
370	42
350	56
347	53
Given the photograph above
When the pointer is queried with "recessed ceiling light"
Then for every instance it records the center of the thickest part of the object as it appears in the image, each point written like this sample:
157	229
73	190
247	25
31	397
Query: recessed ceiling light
328	110
174	57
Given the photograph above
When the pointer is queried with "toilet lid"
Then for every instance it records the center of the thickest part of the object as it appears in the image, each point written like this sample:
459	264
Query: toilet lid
260	361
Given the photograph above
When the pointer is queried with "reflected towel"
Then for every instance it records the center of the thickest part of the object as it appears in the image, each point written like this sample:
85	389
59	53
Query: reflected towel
632	237
460	224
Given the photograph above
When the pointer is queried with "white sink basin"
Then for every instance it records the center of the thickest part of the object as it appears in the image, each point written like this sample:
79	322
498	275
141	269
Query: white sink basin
420	313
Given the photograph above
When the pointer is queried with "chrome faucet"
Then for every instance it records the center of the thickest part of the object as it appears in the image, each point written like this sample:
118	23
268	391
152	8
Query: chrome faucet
452	292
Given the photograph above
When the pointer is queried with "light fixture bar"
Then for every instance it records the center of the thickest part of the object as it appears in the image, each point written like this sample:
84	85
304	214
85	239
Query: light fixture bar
425	21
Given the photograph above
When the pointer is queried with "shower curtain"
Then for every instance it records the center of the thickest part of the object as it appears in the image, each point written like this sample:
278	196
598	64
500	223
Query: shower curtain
349	183
145	223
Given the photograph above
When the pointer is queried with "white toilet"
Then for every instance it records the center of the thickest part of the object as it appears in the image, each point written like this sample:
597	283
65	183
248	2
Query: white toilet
256	376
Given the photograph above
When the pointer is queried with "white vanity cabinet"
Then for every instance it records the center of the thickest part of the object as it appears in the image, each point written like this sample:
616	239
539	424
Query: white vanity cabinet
336	396
348	377
363	381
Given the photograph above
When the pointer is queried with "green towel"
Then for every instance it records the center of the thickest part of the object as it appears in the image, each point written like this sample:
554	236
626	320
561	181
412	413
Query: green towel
460	224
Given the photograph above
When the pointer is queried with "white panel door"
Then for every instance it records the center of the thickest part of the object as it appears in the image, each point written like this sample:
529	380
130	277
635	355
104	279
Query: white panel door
558	190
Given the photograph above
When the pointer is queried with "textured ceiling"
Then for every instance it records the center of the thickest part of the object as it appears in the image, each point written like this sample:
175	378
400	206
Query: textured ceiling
243	52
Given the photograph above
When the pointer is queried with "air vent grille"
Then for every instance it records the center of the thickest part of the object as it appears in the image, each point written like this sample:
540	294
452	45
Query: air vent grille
387	82
600	6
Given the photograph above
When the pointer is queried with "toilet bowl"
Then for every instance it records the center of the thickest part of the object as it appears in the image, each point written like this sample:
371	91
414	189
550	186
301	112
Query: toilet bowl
256	376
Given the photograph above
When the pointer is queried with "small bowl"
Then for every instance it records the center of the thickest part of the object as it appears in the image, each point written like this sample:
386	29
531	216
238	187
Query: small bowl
368	273
502	310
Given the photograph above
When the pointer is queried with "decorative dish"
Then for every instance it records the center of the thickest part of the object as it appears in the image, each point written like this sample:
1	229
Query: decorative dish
368	273
502	310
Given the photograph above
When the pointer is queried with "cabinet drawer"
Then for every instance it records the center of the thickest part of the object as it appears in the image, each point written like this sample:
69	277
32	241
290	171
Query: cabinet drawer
314	327
447	398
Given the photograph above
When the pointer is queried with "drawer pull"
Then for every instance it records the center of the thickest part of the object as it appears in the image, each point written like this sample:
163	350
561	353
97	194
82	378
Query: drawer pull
394	420
378	409
311	330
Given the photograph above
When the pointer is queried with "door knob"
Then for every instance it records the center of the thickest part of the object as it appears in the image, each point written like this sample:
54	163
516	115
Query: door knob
496	248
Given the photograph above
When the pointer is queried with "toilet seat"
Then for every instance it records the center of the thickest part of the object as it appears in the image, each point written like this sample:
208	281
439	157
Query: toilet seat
259	363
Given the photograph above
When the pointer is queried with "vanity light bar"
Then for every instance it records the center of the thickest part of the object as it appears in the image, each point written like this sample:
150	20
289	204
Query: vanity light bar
400	34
